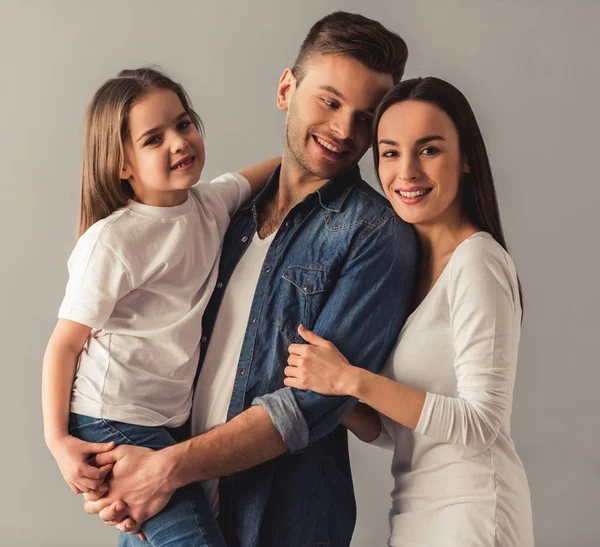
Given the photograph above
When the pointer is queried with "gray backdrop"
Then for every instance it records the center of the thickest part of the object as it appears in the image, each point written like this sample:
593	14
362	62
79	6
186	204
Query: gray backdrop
531	72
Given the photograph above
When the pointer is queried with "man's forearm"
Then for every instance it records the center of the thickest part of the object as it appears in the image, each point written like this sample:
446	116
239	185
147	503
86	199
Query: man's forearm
246	441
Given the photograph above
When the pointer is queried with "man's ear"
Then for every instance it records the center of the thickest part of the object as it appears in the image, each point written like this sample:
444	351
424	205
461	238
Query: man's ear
286	87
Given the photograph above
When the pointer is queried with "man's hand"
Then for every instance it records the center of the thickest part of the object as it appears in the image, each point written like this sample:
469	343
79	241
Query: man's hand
138	487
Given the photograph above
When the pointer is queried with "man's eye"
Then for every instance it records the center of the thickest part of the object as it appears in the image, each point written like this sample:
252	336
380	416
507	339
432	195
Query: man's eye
330	104
367	120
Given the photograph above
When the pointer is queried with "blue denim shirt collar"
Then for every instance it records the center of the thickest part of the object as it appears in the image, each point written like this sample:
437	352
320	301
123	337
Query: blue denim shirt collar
332	194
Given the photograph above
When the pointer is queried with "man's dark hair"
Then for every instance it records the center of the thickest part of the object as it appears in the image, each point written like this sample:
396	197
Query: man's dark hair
357	36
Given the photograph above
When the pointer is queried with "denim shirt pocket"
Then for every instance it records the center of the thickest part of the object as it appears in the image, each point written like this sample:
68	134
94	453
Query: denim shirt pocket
303	293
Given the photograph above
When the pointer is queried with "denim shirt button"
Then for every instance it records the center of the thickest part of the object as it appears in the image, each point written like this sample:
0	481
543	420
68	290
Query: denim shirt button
244	239
253	320
242	371
288	224
204	339
267	269
307	288
219	285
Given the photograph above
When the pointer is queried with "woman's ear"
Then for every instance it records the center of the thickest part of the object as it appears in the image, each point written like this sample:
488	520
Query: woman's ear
466	166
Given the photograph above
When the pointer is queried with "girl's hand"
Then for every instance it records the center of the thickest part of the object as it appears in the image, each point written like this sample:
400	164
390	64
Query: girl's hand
318	366
71	455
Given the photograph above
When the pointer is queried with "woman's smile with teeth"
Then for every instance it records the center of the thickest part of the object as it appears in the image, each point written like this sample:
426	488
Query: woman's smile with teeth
329	146
413	194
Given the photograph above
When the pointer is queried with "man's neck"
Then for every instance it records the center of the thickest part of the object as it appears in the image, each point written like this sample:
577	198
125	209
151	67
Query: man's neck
295	183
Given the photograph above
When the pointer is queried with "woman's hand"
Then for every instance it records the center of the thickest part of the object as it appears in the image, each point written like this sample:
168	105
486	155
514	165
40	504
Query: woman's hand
318	366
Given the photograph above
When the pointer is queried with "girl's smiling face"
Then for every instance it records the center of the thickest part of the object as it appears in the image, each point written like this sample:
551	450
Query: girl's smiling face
164	152
421	165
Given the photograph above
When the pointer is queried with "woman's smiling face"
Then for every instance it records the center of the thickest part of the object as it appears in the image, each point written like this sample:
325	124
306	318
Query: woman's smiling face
421	165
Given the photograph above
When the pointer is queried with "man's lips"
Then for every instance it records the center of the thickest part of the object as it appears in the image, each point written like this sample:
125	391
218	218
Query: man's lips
333	146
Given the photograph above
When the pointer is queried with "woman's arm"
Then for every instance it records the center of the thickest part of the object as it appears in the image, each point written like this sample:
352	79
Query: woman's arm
259	173
58	372
484	319
319	366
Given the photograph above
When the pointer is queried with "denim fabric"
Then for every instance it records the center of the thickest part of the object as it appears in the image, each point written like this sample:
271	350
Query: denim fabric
342	264
187	520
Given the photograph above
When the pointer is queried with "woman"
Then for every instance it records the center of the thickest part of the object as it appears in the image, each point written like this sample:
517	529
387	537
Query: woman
445	394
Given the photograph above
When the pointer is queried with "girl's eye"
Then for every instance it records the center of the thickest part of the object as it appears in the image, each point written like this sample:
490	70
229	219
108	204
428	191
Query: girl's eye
430	151
389	154
182	126
152	140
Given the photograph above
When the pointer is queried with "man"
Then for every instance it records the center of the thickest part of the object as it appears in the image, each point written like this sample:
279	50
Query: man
317	247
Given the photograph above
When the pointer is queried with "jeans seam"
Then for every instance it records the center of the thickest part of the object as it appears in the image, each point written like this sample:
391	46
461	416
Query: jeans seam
196	521
114	430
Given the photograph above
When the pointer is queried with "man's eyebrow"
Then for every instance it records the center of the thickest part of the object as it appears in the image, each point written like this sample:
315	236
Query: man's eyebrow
332	90
159	127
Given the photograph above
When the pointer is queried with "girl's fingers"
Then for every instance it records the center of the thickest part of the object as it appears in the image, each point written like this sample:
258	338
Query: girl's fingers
96	473
74	488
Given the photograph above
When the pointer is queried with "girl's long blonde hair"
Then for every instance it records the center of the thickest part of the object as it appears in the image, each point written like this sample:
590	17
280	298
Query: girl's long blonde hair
105	129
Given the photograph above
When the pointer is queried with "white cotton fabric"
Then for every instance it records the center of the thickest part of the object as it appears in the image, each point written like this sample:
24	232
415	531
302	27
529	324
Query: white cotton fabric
458	479
141	279
220	367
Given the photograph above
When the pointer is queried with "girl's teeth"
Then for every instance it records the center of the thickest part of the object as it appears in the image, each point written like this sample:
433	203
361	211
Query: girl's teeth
328	146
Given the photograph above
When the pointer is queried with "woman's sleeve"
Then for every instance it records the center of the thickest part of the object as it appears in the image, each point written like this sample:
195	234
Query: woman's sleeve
485	322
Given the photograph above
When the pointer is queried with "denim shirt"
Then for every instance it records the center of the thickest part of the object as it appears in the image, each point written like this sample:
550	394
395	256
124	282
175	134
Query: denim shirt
342	264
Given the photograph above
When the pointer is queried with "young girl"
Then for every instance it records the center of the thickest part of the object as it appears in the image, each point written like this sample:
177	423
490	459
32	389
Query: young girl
121	362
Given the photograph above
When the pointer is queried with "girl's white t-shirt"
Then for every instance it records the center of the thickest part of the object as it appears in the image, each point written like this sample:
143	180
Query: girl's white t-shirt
141	279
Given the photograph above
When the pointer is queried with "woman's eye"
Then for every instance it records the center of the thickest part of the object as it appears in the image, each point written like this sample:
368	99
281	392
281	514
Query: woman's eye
389	154
430	151
182	126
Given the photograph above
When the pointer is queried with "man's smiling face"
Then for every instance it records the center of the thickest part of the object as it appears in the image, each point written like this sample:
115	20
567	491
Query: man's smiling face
328	126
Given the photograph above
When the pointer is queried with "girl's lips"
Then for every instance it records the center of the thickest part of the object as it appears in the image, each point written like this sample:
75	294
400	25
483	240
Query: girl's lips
184	164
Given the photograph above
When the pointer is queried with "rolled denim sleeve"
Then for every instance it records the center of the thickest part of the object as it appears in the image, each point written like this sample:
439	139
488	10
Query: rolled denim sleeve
362	317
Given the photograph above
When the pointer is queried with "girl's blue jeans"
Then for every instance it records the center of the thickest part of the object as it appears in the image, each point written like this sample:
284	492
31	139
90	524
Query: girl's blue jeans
187	520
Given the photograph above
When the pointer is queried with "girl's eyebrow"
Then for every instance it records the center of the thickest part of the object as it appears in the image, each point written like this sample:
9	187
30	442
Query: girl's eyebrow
157	128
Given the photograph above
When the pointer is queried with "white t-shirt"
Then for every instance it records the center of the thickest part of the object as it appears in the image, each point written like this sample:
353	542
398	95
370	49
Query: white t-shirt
458	479
141	279
217	376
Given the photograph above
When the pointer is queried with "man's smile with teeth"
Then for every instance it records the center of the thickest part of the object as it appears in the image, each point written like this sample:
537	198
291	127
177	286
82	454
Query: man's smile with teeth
329	146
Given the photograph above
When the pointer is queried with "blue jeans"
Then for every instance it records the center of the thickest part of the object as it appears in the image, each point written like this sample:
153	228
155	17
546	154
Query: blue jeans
187	520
